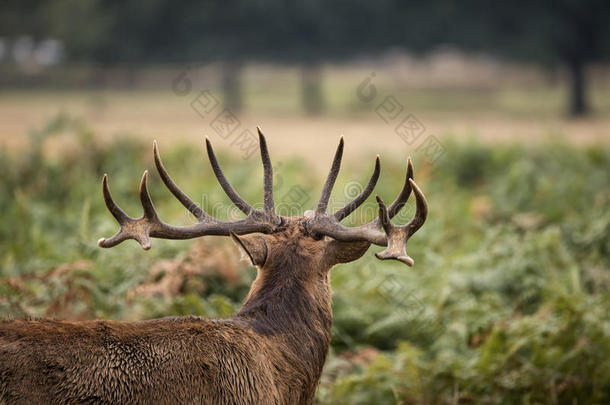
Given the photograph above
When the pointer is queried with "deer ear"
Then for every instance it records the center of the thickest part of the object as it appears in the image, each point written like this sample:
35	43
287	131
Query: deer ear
253	247
345	252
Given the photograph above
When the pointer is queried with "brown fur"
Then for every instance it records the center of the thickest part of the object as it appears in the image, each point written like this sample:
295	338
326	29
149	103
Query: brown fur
271	352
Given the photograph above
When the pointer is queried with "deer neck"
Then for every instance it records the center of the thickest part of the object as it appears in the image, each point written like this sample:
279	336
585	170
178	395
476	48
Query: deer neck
293	305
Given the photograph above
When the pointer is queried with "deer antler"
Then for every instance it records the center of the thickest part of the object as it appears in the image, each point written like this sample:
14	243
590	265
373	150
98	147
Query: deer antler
394	237
266	221
150	225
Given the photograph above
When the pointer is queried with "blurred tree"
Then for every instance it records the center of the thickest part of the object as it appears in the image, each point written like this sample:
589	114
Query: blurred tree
311	33
577	33
23	23
570	33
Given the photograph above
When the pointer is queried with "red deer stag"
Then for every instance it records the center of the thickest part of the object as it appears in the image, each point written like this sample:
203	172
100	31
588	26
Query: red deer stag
271	352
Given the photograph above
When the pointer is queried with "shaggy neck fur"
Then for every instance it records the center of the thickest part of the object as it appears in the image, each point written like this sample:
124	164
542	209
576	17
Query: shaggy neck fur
291	303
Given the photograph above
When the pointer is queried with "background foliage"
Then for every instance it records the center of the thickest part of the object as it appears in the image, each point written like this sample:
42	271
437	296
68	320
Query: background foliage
508	301
567	33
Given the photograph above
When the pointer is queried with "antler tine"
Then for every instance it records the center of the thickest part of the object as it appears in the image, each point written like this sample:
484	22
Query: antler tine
396	205
421	210
364	194
384	218
130	228
267	173
330	180
224	183
114	209
404	194
147	204
189	204
117	213
397	236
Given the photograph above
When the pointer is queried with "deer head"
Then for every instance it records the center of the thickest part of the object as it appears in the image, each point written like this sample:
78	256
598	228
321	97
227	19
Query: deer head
316	240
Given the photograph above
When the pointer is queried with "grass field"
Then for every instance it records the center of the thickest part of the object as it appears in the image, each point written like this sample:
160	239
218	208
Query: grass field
508	301
520	107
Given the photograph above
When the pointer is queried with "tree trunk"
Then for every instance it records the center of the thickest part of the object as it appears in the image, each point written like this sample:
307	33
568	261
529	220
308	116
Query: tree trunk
231	85
311	90
579	104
